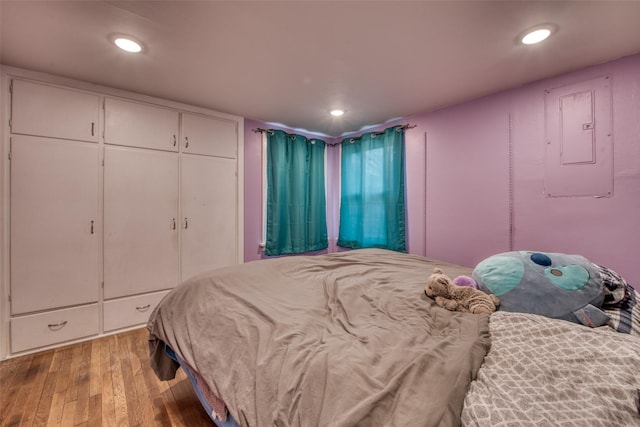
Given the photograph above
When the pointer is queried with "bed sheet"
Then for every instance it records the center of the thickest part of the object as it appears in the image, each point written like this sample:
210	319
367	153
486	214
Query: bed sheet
548	372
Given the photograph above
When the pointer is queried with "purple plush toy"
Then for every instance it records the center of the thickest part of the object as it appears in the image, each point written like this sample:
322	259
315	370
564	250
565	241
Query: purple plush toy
465	281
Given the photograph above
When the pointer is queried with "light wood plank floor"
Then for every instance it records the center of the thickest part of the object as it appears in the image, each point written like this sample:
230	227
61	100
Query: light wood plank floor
104	382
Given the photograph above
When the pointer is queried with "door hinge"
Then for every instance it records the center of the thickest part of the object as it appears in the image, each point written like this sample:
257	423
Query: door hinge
9	297
102	285
10	124
11	87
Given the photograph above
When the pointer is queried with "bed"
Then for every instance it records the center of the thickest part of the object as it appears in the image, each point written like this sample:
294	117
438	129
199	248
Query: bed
350	339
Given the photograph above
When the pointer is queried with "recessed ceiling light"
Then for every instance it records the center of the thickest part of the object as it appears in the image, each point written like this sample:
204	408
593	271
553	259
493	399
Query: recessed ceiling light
536	34
128	44
337	113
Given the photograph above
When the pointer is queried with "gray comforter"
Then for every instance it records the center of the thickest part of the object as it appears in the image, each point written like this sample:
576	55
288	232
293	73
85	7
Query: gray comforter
347	339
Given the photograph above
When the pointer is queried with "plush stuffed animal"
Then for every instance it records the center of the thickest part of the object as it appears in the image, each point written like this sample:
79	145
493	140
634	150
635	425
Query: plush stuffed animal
465	281
556	285
458	298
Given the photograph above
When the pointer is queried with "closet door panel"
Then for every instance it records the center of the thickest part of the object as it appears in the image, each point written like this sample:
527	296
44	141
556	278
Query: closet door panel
140	221
209	135
135	124
54	223
209	208
42	110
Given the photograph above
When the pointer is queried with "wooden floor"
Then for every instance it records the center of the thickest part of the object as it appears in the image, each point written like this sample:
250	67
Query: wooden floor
105	382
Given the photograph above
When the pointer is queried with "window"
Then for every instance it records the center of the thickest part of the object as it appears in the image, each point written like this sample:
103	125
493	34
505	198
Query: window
372	200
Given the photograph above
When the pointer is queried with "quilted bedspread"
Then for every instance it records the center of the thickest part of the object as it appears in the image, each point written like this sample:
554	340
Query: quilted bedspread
546	372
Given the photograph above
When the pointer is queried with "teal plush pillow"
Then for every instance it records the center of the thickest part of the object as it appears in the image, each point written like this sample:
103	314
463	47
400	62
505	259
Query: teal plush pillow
555	285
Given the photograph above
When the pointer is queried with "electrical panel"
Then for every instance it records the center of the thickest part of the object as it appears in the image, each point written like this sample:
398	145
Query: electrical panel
579	140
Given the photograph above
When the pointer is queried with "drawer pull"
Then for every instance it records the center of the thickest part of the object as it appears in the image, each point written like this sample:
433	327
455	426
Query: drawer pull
143	307
57	326
186	142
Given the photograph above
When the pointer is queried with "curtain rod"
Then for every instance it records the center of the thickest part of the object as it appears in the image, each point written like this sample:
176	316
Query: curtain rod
398	129
260	130
291	136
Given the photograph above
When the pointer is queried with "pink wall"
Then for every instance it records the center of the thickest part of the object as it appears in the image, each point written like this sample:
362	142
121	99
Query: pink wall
605	230
252	190
467	182
470	177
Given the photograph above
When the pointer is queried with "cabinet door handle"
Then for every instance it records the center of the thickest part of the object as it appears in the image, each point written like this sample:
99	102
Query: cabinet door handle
93	126
91	226
186	223
186	142
173	227
57	326
143	307
175	141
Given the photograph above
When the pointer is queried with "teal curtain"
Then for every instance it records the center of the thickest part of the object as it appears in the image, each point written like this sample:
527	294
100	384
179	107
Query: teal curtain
372	199
296	202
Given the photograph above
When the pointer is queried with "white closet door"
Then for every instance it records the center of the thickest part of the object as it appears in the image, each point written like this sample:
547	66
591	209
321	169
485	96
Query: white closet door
54	223
209	209
140	125
42	110
141	221
209	135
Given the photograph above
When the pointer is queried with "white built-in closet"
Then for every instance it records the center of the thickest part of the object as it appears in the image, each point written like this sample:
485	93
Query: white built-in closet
114	199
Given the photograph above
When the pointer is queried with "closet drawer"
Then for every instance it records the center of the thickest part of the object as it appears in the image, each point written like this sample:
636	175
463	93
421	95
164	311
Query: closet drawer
52	327
130	311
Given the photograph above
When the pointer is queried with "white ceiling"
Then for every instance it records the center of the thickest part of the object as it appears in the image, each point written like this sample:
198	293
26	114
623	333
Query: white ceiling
291	62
